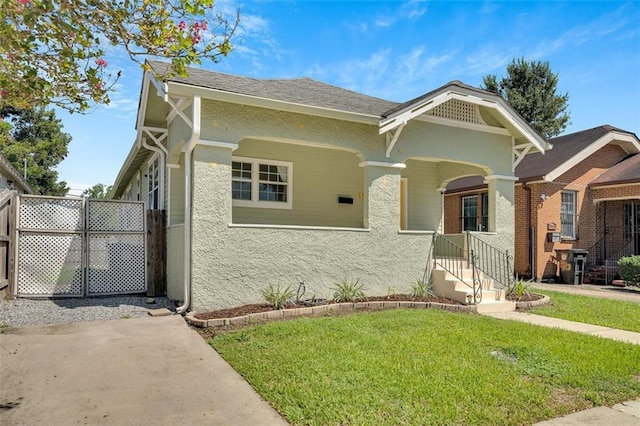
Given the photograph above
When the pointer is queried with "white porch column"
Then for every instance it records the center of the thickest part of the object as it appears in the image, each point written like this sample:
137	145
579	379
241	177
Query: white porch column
502	209
382	195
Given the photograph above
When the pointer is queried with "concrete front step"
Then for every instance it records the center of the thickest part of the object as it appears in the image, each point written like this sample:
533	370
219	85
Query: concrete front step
487	307
493	299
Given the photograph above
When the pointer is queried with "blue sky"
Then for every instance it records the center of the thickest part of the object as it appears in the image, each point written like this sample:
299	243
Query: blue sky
397	51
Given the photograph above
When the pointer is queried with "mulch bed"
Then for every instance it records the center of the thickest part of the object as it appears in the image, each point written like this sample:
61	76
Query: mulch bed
264	307
529	297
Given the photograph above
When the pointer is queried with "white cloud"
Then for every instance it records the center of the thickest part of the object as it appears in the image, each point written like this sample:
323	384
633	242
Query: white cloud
604	26
488	59
385	74
253	39
408	10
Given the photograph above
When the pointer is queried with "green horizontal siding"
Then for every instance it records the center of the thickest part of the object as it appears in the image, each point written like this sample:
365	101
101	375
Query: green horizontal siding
319	177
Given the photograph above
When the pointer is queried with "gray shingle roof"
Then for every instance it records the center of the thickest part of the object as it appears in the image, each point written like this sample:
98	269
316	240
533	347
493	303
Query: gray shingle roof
626	171
420	98
304	91
7	169
535	166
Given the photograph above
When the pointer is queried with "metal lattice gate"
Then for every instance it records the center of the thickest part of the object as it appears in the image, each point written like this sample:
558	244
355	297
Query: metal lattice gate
80	247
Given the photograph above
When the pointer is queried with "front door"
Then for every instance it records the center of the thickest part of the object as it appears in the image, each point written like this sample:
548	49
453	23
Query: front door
632	225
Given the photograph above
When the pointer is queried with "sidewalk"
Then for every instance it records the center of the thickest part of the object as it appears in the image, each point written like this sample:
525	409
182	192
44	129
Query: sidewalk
624	414
628	294
579	327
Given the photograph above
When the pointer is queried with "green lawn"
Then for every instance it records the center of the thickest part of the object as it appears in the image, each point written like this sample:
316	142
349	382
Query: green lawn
428	367
592	310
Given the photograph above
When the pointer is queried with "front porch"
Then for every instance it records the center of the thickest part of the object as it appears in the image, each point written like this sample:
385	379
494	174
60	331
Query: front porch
617	234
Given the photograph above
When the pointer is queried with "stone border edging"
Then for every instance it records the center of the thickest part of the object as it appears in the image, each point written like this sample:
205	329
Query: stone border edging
533	303
288	313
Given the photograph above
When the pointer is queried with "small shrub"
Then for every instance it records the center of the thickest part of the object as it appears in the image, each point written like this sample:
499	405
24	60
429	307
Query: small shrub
277	296
348	291
629	268
519	290
391	291
421	288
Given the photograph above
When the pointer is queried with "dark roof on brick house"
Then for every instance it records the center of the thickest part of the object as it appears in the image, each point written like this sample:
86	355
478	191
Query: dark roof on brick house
626	171
536	166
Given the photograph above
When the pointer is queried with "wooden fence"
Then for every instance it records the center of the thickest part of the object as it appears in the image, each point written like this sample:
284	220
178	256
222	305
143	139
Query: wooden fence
7	235
156	253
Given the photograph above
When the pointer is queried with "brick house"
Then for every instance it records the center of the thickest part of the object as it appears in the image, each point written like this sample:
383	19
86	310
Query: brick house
583	194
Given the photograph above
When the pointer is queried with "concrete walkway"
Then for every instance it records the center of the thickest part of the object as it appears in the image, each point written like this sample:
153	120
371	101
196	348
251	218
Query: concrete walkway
628	294
579	327
148	371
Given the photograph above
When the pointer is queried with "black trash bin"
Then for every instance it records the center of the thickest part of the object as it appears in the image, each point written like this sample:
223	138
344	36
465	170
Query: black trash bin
571	264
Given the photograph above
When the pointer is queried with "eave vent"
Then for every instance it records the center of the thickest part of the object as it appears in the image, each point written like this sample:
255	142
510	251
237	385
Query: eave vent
455	109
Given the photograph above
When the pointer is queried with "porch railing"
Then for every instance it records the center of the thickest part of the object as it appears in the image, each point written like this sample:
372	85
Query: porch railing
492	262
456	260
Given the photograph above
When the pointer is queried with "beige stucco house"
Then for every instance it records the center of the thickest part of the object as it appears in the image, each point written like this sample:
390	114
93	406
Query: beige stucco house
288	181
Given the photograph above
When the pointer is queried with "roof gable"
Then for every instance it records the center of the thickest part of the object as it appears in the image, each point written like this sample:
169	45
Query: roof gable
456	91
626	171
569	150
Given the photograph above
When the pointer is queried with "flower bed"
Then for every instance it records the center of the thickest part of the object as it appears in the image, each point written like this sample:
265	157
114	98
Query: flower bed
263	312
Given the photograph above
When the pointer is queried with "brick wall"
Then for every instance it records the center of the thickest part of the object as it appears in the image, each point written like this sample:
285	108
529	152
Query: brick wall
546	213
453	210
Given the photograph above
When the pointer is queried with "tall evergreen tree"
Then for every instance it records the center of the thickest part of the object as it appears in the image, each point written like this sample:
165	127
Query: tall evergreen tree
530	87
35	135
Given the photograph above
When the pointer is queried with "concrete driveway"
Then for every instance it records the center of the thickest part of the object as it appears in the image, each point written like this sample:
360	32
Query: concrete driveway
149	371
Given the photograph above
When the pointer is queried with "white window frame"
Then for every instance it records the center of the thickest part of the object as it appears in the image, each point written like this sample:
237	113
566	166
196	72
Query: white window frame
573	214
255	202
462	199
154	163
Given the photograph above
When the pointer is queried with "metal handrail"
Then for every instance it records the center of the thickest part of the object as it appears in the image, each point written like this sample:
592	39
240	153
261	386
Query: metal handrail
492	262
455	260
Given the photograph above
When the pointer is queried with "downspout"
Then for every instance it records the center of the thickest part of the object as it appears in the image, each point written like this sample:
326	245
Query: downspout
187	150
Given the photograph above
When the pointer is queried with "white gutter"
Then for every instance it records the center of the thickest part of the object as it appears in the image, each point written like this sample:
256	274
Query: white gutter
187	149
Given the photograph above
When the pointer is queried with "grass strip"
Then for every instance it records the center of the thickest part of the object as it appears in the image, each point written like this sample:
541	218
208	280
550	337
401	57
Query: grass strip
591	310
428	367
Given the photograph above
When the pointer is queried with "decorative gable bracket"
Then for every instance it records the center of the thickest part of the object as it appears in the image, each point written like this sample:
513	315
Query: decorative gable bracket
392	138
519	151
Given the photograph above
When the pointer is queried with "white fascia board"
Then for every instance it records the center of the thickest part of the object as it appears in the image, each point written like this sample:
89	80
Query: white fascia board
589	150
409	114
464	125
217	144
427	104
630	197
501	177
382	164
255	101
631	140
133	152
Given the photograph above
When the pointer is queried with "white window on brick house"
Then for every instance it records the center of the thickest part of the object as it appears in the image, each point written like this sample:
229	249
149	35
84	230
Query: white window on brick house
568	214
261	183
